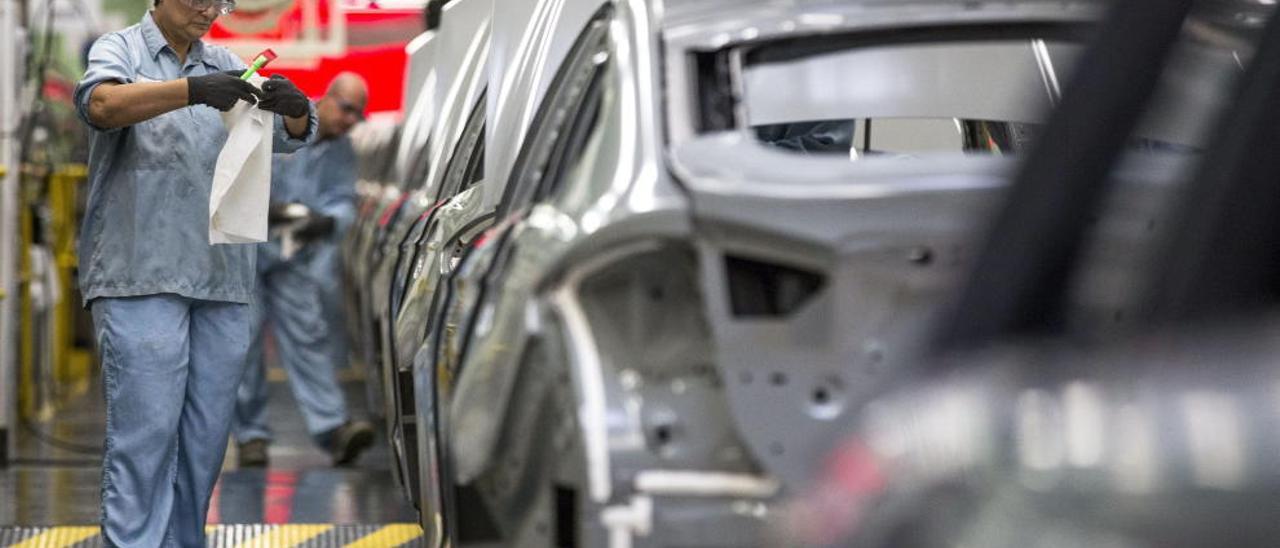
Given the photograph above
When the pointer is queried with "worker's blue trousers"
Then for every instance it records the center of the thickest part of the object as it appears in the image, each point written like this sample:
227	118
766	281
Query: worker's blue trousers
326	266
170	368
290	302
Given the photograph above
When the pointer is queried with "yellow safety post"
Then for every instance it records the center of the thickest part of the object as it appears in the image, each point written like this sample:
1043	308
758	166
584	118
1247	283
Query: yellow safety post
30	403
51	369
71	363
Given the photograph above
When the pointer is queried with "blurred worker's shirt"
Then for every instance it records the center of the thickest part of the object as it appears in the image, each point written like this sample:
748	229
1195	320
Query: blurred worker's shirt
146	227
322	177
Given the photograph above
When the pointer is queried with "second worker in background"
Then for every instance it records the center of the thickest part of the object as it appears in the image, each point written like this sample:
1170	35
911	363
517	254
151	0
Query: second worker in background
312	203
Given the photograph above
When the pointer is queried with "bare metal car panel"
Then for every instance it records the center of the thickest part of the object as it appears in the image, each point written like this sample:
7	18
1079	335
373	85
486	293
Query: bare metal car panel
460	47
448	230
886	253
1033	436
463	56
536	244
439	233
705	26
398	221
596	325
530	40
1146	418
889	257
374	144
461	44
578	213
435	367
420	85
453	223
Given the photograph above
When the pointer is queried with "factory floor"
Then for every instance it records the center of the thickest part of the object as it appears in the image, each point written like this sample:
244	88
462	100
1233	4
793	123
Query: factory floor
49	492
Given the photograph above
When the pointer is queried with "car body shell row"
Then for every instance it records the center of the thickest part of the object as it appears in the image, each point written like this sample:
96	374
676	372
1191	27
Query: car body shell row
601	306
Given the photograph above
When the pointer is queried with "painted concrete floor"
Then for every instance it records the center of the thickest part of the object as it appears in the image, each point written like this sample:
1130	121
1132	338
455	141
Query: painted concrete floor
55	477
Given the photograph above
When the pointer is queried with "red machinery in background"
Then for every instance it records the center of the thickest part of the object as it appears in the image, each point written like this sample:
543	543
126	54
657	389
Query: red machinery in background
317	39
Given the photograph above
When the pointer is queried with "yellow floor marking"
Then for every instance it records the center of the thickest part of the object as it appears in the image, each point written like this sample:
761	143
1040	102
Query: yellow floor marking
286	535
391	535
59	537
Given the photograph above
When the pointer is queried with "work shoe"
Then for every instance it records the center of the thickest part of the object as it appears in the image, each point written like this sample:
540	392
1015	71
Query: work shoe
252	454
346	442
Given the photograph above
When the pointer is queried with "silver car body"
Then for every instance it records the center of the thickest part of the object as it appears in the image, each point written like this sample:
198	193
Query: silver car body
529	42
420	96
588	358
375	145
459	48
454	85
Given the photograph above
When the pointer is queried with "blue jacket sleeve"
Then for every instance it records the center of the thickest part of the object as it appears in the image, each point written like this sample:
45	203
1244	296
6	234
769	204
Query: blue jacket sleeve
108	62
337	185
288	143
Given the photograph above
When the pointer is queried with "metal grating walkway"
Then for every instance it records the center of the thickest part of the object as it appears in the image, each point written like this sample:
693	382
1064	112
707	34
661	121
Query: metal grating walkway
236	536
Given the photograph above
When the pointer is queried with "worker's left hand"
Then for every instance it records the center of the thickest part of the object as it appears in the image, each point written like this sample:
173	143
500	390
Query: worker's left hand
280	96
315	227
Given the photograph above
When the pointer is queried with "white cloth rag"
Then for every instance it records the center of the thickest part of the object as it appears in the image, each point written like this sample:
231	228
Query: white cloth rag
242	177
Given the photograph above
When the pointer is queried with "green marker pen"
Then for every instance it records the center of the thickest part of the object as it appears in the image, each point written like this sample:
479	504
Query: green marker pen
258	62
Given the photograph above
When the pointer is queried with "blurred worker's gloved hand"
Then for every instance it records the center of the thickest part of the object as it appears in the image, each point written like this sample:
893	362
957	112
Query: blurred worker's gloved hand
220	90
278	213
316	226
280	96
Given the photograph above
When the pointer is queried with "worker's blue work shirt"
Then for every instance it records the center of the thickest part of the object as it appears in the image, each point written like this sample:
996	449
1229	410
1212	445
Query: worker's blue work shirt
146	228
322	177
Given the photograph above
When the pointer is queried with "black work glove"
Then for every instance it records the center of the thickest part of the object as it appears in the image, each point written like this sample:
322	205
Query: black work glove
316	226
280	96
276	214
220	90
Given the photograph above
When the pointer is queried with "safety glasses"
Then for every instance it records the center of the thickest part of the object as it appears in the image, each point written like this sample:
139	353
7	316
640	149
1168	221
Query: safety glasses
349	108
223	7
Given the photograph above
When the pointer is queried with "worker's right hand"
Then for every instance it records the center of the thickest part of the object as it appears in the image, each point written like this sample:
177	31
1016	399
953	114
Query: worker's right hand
220	90
277	213
315	227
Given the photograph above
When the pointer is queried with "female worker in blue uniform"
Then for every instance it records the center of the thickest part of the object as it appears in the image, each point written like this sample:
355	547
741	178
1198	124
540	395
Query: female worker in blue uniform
171	312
